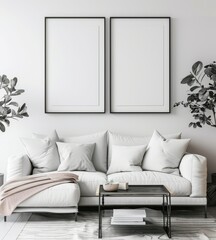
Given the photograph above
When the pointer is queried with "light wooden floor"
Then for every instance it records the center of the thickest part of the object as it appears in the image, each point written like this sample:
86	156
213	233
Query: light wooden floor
11	229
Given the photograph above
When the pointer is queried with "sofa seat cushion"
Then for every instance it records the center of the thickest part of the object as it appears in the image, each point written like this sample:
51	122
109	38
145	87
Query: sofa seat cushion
62	195
178	186
89	182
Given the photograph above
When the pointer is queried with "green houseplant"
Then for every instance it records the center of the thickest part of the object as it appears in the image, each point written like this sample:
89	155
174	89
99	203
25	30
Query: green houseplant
201	97
10	109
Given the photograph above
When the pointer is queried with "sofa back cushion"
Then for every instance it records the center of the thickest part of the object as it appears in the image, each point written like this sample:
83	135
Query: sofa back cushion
122	140
42	152
164	155
99	157
53	136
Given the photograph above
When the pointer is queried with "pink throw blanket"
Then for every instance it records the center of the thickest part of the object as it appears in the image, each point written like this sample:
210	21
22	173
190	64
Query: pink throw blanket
18	190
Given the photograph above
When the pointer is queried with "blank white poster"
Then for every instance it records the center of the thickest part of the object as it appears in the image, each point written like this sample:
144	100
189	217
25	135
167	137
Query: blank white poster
75	64
140	80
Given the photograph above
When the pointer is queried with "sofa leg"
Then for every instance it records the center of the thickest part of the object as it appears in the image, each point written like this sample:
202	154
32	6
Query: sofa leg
206	211
5	219
76	217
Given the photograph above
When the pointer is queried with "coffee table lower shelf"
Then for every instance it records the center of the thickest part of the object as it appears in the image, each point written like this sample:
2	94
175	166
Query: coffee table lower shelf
139	190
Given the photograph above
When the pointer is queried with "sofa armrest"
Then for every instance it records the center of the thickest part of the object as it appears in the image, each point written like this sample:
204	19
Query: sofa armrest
18	166
194	168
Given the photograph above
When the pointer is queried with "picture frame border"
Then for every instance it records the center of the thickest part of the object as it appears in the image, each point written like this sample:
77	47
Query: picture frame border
110	82
45	64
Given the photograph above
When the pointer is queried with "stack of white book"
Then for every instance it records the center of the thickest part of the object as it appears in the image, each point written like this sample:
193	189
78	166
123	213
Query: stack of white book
128	217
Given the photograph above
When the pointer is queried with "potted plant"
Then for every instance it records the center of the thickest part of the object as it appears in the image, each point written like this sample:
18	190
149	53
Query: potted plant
10	109
201	97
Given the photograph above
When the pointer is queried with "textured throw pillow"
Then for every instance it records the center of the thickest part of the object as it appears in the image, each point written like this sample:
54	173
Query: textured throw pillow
164	155
121	140
43	154
99	157
76	157
53	136
126	158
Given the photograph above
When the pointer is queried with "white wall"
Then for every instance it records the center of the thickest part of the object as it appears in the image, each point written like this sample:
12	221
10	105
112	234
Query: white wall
22	55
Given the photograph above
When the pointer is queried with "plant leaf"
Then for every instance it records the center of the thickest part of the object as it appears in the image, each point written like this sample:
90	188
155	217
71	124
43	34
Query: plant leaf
187	79
191	82
25	114
14	104
3	111
13	112
13	82
213	77
202	91
2	127
18	92
8	111
7	98
208	71
199	124
190	124
193	88
7	90
7	122
5	80
203	96
22	107
197	67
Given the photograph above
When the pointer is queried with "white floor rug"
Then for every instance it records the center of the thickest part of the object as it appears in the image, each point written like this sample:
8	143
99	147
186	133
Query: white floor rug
185	225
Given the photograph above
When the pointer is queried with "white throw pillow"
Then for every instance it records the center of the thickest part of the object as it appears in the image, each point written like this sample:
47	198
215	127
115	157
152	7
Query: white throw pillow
121	140
164	155
126	158
99	157
76	157
42	153
18	166
53	136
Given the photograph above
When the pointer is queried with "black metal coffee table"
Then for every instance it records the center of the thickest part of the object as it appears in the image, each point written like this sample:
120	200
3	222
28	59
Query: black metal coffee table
139	191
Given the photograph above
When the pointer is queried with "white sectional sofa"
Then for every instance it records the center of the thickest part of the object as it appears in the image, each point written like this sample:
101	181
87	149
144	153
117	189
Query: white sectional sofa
188	188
